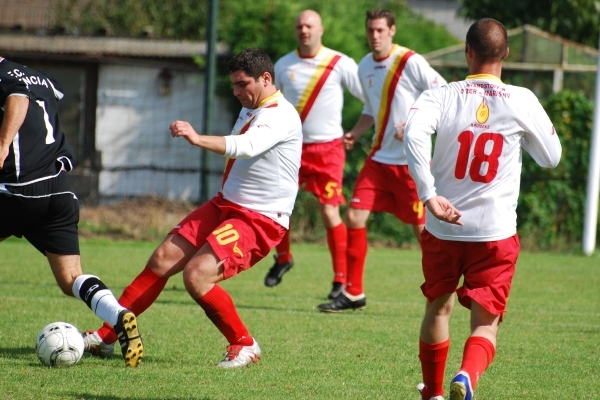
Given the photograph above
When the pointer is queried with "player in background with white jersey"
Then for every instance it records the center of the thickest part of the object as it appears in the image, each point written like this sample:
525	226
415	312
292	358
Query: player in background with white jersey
470	192
392	77
313	78
36	201
242	223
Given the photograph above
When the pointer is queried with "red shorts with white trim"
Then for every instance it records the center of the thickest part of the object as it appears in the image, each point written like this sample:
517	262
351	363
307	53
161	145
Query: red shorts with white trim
487	267
237	235
388	188
322	169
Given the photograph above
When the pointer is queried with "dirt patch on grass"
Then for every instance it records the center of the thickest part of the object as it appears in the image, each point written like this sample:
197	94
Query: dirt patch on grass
149	218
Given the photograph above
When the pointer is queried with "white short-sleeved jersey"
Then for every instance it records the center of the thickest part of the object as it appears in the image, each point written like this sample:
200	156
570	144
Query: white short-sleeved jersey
264	149
390	87
481	125
315	86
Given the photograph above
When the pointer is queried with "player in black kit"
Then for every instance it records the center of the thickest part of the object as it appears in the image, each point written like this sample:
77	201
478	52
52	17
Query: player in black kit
36	201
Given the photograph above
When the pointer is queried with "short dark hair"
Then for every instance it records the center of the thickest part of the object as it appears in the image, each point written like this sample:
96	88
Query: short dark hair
489	39
382	13
254	62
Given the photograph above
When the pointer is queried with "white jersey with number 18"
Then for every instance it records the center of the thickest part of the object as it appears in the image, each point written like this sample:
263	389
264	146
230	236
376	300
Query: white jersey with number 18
481	125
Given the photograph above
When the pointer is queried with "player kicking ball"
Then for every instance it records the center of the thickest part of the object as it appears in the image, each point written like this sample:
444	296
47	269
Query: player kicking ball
241	224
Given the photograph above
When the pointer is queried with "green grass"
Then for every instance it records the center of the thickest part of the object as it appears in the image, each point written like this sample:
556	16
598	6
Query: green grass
549	345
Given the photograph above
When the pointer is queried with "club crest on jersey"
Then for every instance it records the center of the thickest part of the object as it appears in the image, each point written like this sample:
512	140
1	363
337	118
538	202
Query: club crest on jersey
483	112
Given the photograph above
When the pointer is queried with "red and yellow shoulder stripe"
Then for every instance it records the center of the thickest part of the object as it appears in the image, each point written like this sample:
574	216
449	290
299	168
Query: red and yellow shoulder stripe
387	93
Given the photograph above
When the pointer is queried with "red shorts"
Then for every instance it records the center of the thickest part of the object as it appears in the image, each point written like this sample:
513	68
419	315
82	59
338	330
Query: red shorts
321	171
388	188
487	267
237	235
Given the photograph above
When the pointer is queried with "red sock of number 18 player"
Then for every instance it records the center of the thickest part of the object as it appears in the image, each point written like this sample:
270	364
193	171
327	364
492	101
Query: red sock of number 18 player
433	364
478	354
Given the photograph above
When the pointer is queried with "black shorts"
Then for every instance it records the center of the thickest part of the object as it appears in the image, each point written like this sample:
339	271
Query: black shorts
46	213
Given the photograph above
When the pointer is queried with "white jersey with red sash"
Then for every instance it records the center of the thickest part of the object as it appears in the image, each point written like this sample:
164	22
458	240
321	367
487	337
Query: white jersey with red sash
481	125
315	85
263	150
390	87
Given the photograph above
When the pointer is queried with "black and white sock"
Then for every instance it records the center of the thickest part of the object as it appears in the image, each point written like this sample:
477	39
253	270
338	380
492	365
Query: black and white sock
100	300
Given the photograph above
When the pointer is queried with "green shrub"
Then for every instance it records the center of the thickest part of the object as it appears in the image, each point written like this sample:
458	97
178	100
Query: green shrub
552	202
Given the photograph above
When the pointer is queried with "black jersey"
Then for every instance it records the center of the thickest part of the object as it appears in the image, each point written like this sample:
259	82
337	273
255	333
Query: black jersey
40	148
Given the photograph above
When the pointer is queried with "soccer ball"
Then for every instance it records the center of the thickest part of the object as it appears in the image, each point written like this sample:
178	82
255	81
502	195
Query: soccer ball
59	344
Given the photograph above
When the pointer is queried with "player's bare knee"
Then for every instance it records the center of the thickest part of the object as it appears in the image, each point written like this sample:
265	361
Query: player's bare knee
440	307
198	279
356	219
330	215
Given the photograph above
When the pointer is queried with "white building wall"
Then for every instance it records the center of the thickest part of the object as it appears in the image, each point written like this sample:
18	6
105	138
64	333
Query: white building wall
443	12
139	156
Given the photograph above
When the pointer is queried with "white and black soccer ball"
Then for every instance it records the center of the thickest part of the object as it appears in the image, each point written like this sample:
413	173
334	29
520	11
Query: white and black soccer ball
59	344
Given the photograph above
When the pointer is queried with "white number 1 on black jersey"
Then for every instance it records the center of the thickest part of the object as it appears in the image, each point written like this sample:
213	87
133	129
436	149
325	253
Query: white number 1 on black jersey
49	128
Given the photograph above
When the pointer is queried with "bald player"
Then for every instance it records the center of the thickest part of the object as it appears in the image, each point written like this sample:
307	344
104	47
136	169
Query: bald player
313	78
470	188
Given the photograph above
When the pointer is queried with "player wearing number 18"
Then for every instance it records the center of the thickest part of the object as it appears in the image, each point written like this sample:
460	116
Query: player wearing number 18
470	188
237	228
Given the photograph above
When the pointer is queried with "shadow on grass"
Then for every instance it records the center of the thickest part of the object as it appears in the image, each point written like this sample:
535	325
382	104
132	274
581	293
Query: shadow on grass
310	308
18	353
88	396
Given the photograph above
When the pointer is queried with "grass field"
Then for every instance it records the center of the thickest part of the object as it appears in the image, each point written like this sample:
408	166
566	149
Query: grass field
549	346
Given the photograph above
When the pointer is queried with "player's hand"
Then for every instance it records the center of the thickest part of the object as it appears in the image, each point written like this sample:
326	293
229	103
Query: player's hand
443	210
399	135
349	139
185	130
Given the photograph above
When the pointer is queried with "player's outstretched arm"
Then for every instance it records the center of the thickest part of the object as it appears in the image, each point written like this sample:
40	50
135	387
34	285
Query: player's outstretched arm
443	210
15	110
183	129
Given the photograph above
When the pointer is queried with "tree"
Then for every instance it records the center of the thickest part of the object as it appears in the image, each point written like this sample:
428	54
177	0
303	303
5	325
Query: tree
577	20
552	202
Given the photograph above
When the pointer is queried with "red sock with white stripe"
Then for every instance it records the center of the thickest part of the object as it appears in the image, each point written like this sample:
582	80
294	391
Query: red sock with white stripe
337	239
356	254
433	364
137	297
219	308
478	354
283	249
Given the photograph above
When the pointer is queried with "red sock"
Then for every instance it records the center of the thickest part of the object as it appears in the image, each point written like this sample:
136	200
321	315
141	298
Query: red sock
356	254
337	239
283	250
433	363
219	308
477	356
137	297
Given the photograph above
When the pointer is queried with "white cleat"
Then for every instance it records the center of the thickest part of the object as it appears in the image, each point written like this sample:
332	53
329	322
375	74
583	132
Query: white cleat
95	346
420	387
240	356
